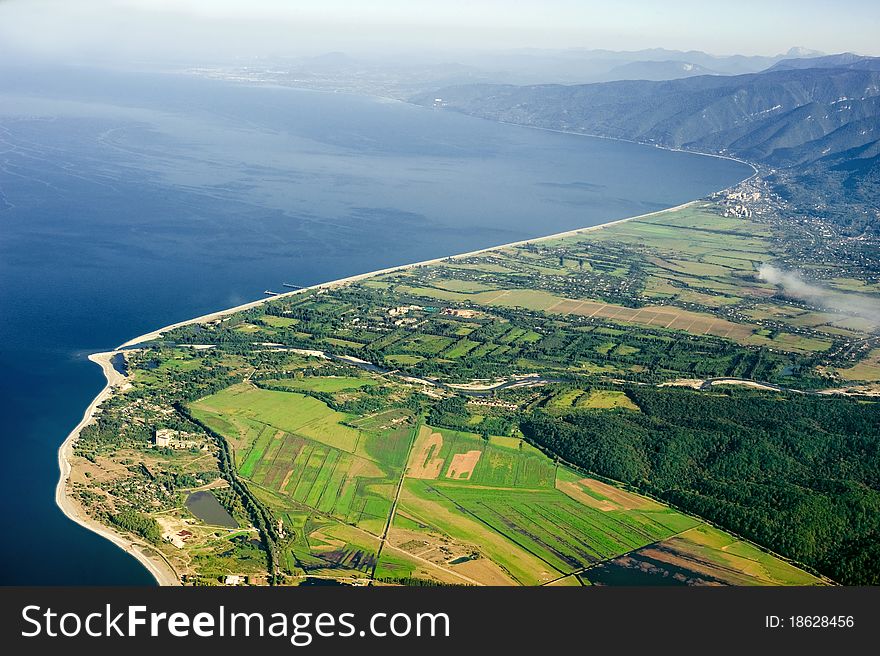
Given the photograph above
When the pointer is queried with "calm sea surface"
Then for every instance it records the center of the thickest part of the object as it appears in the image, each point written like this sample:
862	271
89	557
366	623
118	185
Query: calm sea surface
130	201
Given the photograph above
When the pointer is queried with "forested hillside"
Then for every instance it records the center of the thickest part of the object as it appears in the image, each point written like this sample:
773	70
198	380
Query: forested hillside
820	123
797	473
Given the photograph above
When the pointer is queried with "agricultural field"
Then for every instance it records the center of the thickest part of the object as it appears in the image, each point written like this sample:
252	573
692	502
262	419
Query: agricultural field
466	501
563	533
444	454
385	430
691	270
324	383
702	555
331	484
245	408
383	496
568	400
666	317
605	400
866	370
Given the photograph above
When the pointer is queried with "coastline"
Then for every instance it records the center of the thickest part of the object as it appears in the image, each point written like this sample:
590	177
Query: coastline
155	334
160	568
671	149
405	101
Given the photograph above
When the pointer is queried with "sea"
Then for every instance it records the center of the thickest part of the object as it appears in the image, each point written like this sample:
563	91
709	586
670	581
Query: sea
131	200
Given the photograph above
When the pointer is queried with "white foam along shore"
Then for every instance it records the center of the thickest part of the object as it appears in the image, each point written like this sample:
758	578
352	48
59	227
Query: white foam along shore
158	566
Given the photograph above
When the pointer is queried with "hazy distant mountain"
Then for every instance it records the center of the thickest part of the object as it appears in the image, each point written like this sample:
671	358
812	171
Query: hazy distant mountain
527	66
587	66
843	60
402	75
576	66
798	52
820	121
657	70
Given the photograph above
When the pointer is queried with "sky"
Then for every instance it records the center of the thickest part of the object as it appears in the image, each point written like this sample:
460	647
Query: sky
223	29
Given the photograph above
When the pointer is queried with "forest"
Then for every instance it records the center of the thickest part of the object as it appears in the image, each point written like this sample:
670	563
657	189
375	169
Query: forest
796	473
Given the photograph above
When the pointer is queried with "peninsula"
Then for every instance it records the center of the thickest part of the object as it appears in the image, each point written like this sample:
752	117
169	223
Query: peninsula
560	411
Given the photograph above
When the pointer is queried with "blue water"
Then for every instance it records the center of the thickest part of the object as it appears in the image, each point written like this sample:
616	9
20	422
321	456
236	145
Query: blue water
130	201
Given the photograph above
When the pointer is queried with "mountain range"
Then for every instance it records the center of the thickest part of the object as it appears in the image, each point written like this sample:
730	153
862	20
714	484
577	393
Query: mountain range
814	116
412	72
583	65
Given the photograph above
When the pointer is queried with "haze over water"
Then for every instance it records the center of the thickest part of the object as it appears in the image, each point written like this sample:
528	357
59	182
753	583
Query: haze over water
128	202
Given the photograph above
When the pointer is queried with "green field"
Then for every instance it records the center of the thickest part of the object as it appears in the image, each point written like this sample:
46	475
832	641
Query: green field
532	521
498	465
705	555
538	535
311	469
285	411
466	286
579	399
279	322
427	344
563	533
323	383
868	369
461	348
605	400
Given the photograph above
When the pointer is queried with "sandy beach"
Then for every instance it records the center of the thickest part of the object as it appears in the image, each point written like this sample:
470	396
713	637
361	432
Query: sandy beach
158	567
161	570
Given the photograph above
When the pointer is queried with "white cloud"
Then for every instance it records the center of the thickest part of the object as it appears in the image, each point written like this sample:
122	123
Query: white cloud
849	304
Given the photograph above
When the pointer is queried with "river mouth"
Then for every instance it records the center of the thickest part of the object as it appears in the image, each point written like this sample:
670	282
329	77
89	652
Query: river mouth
204	506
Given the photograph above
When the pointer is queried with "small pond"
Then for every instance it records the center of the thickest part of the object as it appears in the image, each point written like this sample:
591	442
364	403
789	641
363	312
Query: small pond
205	506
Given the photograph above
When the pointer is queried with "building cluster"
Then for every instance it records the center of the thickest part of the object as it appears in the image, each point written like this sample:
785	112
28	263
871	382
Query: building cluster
402	310
493	403
169	438
748	199
738	211
460	313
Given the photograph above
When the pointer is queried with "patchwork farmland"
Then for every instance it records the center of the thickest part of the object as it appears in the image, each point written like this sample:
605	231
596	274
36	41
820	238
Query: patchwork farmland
387	431
382	497
321	476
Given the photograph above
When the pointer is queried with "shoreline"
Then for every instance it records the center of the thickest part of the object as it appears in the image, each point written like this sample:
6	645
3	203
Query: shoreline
160	569
671	149
155	334
405	101
162	572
